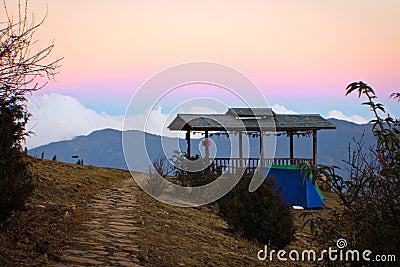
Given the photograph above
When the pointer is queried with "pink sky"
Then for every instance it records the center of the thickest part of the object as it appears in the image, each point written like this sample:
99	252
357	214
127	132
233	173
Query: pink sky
296	51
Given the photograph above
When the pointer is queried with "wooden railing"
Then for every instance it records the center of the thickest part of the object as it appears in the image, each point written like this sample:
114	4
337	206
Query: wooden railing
231	165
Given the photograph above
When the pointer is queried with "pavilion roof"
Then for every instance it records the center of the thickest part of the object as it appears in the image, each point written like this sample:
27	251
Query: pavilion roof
250	120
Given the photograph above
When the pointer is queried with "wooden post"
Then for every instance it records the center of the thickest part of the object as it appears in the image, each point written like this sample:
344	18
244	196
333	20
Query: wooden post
188	143
240	149
206	143
261	150
291	146
314	146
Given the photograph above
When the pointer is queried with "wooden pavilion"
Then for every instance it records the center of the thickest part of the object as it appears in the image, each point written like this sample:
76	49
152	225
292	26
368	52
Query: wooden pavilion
259	120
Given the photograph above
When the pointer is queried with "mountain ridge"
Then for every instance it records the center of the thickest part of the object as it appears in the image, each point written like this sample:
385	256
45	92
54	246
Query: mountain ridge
104	147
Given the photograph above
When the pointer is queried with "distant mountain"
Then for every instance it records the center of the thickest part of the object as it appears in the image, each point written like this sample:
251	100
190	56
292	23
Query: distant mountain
104	147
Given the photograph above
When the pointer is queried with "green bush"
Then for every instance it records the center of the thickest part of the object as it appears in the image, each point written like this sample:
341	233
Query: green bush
368	210
193	179
15	180
259	215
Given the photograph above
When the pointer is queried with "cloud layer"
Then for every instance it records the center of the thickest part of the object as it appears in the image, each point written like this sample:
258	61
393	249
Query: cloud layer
58	117
282	109
353	118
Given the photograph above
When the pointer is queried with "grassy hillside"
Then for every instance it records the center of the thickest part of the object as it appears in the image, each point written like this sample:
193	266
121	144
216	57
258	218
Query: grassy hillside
166	235
35	235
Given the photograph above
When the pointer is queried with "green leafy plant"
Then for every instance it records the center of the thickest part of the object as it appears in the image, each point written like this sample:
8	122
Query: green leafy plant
368	210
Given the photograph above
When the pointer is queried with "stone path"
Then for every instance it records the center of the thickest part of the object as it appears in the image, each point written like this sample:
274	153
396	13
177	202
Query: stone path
108	237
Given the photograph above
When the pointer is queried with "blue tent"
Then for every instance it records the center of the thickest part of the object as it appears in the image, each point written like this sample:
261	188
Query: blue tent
295	192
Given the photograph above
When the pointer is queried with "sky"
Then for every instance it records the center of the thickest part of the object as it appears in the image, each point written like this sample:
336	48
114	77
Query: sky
301	54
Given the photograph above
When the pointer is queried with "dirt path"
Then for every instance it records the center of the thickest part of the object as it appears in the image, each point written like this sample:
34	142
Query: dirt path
109	235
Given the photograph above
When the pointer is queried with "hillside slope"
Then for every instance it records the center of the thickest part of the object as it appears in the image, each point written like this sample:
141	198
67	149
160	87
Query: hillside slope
37	234
63	209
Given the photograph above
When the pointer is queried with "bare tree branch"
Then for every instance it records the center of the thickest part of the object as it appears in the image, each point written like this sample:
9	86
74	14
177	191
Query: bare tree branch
21	70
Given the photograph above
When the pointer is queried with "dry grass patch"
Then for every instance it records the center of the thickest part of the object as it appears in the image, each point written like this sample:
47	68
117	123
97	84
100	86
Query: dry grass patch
32	236
168	236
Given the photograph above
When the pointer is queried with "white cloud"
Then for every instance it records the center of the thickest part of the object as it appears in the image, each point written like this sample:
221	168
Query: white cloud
58	117
157	121
154	124
332	114
353	118
282	109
